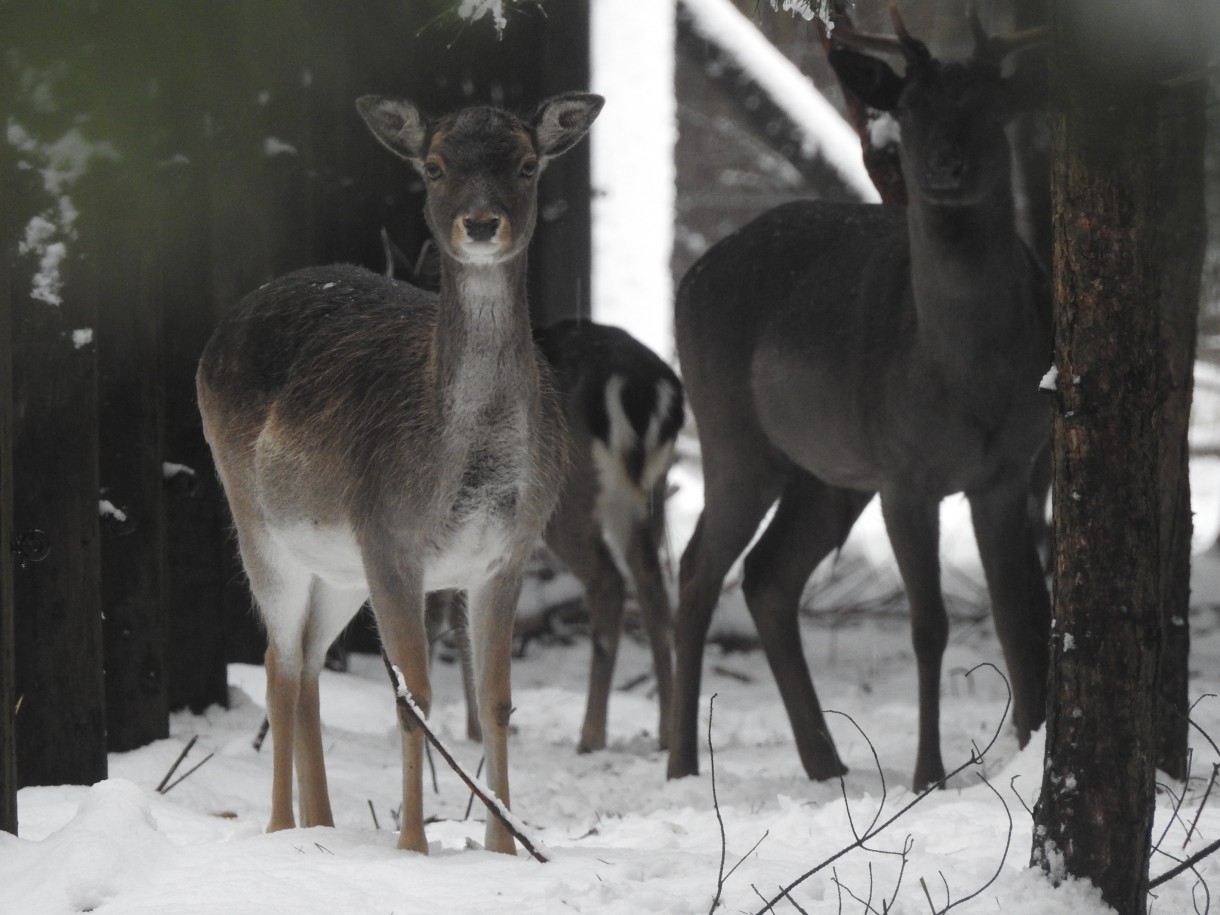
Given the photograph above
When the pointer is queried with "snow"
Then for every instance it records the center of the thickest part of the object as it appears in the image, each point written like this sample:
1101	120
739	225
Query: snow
826	134
632	167
621	838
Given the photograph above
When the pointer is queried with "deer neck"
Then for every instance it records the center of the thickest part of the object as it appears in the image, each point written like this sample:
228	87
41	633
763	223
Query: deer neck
967	275
483	347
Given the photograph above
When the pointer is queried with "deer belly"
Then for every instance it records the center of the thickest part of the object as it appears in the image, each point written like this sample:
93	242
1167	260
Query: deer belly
329	551
470	554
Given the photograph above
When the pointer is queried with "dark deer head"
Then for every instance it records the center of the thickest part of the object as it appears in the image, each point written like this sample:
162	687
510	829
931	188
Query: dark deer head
952	115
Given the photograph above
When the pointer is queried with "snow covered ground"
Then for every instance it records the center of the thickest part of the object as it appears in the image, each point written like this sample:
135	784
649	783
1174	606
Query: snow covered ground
623	840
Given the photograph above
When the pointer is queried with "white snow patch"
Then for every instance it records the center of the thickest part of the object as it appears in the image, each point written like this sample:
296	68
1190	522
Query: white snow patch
107	509
474	10
883	130
632	154
82	337
1050	380
61	163
825	132
273	146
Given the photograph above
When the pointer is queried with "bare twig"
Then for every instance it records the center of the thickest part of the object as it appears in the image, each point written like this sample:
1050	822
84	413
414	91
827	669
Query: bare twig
478	772
1211	782
187	774
711	705
1185	865
262	734
494	807
376	825
1003	856
161	789
976	758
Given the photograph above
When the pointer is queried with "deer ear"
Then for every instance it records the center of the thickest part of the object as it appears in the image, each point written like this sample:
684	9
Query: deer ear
561	121
397	123
869	78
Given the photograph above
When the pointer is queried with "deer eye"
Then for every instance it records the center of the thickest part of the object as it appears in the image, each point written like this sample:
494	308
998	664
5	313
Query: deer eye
529	168
433	172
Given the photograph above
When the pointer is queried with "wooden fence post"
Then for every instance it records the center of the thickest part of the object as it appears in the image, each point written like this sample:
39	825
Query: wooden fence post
61	724
8	698
130	471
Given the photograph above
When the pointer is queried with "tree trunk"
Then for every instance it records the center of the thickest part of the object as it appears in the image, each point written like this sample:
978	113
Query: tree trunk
8	698
1123	359
1181	242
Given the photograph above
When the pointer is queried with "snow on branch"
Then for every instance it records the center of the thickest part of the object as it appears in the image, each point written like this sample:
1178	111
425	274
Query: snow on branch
495	806
824	132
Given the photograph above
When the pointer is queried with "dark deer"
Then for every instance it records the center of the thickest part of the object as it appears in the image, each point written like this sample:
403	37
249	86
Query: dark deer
834	351
624	409
375	440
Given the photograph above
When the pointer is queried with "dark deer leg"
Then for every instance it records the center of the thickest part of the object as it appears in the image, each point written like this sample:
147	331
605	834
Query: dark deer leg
645	568
913	523
590	561
730	518
1020	605
812	519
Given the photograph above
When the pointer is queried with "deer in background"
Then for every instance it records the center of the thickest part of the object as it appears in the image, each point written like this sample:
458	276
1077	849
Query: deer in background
624	409
375	440
833	351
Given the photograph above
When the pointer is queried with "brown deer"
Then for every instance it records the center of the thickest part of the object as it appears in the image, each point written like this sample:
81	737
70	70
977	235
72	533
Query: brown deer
375	440
833	351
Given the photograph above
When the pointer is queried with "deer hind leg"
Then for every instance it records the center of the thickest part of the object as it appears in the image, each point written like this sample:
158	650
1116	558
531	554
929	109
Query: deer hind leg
1020	604
643	561
913	524
811	520
330	609
735	502
590	560
492	608
398	605
281	591
446	613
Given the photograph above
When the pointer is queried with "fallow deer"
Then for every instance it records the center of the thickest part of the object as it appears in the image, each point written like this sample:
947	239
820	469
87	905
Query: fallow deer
833	351
624	409
375	440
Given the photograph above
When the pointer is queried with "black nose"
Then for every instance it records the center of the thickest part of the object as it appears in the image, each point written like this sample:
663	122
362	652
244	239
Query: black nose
481	229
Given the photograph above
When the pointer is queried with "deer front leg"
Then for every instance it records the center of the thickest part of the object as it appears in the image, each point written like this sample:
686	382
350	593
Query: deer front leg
491	609
913	523
1020	604
398	605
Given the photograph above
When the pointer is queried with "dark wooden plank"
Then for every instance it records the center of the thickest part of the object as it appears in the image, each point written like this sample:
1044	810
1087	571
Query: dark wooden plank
130	471
61	726
8	698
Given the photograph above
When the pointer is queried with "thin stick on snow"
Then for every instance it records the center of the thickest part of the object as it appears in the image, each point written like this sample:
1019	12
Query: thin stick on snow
187	774
376	825
478	773
494	806
711	706
161	789
1203	803
1185	865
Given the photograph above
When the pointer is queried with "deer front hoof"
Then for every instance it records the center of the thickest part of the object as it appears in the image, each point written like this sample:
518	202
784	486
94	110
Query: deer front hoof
417	843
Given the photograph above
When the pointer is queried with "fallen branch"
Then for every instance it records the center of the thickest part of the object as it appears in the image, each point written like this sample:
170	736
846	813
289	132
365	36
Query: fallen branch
1185	865
161	789
494	806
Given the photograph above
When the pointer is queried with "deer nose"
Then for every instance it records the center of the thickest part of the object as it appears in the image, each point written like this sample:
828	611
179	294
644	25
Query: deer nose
947	164
481	229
